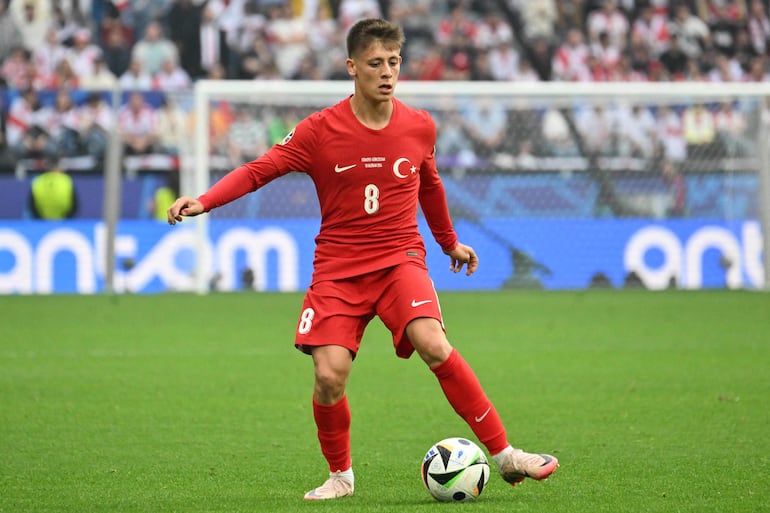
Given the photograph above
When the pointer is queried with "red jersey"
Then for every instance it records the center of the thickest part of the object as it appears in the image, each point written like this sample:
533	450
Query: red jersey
369	184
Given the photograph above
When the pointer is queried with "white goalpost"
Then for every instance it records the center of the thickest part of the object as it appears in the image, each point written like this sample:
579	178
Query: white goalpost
593	145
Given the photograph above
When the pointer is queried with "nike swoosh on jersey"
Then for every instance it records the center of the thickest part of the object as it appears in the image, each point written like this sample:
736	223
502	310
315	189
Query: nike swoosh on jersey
338	169
415	304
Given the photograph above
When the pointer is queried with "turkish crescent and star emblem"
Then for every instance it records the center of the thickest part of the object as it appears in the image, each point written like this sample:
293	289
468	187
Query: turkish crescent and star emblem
397	166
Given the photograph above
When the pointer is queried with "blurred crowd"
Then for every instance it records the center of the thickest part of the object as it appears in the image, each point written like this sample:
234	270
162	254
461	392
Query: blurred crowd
167	44
55	55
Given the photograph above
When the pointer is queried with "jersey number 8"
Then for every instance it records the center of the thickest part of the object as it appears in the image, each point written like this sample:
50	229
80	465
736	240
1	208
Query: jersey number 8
371	199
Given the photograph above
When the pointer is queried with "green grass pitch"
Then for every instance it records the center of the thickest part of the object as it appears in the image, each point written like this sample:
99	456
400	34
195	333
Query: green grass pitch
653	402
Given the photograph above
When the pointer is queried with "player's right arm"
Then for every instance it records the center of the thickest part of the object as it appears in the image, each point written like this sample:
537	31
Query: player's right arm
240	181
294	153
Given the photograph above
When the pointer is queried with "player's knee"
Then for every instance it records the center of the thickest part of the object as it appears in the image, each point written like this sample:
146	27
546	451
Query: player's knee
329	385
428	339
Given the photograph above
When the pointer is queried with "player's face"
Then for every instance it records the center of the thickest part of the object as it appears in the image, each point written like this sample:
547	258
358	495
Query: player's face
375	71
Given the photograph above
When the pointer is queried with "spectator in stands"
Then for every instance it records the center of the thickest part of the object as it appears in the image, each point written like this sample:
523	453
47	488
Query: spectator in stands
280	123
173	128
139	14
171	77
338	71
670	134
726	69
27	135
525	73
459	55
457	24
503	61
101	79
246	137
287	39
481	68
325	40
693	72
10	34
135	77
555	135
65	25
61	124
184	30
597	125
241	32
416	17
692	32
758	70
758	25
137	125
94	122
539	19
731	124
651	28
607	56
639	55
570	61
48	55
430	66
154	49
743	52
699	130
724	19
308	69
220	116
256	61
14	68
486	123
164	196
217	72
53	195
540	57
625	72
636	132
597	71
612	22
213	38
674	58
83	54
63	77
492	30
350	11
116	48
33	19
453	145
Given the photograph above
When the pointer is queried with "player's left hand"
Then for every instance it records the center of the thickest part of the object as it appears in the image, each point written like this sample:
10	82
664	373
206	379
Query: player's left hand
463	255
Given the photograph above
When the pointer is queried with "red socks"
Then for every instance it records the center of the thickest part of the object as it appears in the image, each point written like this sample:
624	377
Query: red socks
463	391
461	388
333	424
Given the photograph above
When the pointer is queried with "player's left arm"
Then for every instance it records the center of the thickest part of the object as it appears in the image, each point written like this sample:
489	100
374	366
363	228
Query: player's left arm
434	205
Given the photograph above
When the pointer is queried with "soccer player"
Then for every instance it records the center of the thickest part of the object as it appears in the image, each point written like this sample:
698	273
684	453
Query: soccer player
371	158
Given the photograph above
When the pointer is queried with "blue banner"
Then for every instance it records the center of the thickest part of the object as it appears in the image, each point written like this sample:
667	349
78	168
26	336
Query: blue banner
38	257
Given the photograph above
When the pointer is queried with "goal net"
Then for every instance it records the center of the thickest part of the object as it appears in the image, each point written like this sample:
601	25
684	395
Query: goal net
557	185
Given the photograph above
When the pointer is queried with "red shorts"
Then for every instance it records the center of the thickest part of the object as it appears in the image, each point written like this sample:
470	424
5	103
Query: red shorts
336	312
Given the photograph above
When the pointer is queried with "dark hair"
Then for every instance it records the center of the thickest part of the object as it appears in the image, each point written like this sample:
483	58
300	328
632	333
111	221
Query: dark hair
367	31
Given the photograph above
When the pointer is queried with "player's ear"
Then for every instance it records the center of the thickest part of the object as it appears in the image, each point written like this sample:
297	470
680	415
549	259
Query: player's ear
351	65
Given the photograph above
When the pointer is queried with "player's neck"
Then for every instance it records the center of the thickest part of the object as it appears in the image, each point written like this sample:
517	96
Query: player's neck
374	115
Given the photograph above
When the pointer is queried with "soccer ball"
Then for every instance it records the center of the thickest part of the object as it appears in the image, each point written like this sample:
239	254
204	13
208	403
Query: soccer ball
455	470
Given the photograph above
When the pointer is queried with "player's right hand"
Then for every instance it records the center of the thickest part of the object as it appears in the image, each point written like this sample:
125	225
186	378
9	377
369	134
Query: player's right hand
183	206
